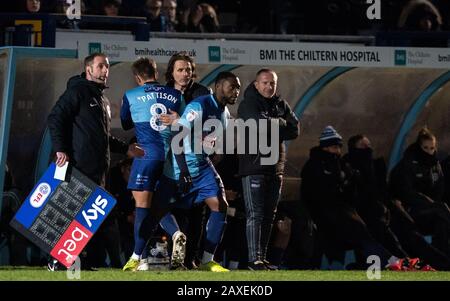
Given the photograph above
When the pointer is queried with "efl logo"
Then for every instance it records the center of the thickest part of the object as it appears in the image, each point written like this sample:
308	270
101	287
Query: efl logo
71	243
40	195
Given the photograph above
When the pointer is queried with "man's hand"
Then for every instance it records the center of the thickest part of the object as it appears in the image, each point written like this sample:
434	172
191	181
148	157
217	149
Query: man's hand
61	158
169	119
184	183
134	150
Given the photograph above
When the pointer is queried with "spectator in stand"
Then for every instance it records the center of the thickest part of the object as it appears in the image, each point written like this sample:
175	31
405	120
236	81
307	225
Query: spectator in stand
157	21
169	10
33	6
111	8
203	18
420	15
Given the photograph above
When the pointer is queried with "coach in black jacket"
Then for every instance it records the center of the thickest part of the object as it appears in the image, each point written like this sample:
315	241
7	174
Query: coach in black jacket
262	183
79	122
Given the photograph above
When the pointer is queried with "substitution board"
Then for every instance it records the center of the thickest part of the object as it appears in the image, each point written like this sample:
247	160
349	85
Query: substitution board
60	217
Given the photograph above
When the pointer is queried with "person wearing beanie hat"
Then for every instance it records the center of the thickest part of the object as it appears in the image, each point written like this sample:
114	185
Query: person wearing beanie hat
330	137
327	190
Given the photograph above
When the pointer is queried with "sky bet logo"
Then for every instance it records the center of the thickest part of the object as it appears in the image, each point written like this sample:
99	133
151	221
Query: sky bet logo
80	231
95	210
214	54
400	57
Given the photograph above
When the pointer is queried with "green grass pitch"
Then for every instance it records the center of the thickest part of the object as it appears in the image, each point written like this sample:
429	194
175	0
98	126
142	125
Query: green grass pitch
41	274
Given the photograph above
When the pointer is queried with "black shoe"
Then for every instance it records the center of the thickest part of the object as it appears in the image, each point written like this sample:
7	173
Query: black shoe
257	266
53	266
269	266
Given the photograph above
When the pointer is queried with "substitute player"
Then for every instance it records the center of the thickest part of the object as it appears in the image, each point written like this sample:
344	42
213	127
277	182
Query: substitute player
141	109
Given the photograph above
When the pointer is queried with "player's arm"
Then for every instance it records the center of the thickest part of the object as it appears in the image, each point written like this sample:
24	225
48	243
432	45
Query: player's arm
125	114
179	146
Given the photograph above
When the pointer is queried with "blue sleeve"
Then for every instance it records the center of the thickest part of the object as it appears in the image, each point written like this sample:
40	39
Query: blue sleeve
125	114
192	113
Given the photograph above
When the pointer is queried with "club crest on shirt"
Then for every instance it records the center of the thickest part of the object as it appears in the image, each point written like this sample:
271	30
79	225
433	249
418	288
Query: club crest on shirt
191	115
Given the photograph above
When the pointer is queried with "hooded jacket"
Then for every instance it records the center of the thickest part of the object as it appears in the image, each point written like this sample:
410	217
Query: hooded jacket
79	125
417	180
255	106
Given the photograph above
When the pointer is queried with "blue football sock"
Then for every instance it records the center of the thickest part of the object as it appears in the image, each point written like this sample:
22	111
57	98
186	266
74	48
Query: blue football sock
214	231
144	225
169	224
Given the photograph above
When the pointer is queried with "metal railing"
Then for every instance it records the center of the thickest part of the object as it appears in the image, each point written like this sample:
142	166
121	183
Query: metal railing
367	40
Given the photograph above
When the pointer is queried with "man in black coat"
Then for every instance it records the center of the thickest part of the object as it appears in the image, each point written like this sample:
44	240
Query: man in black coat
79	123
262	181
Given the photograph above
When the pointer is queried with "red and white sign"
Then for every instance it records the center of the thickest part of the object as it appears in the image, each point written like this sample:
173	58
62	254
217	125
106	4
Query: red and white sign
71	243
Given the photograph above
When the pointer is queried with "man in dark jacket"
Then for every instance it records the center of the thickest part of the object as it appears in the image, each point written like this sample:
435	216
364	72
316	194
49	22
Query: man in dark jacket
262	183
79	122
79	126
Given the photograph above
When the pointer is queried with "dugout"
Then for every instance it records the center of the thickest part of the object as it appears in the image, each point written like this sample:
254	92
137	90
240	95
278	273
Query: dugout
388	101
